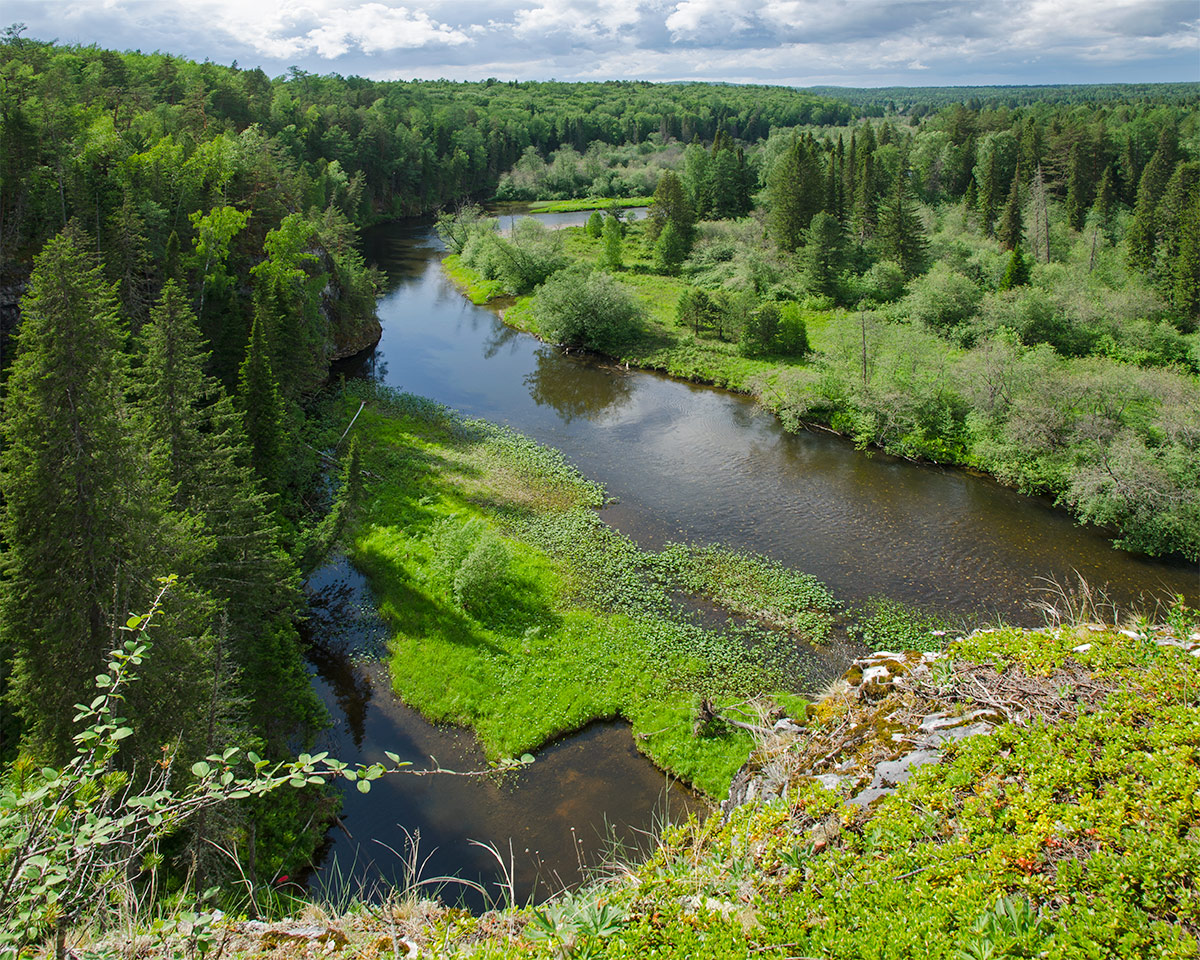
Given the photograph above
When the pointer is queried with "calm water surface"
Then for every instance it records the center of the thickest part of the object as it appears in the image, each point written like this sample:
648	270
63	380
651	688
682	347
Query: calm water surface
686	463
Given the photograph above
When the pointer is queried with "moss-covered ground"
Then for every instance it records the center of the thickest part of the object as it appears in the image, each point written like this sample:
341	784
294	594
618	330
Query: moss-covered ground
517	612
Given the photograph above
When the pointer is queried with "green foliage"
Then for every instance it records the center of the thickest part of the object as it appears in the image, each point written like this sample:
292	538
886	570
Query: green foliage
1017	273
825	255
74	839
670	250
792	336
580	307
483	578
518	263
760	332
613	235
942	299
456	229
672	207
80	512
794	194
901	235
595	225
890	625
1012	226
262	409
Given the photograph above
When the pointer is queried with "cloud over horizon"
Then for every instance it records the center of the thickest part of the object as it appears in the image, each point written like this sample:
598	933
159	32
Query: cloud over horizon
798	42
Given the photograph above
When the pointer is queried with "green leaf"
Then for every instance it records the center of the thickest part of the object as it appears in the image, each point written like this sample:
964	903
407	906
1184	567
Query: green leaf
122	732
134	622
395	758
200	768
527	758
364	786
103	680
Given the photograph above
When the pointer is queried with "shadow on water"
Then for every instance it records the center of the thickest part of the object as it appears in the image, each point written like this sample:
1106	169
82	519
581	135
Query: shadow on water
557	818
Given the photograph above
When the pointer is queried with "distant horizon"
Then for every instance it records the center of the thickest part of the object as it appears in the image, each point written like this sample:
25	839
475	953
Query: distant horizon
861	44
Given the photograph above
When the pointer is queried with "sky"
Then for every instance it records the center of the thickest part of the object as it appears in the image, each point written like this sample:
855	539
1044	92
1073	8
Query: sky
865	43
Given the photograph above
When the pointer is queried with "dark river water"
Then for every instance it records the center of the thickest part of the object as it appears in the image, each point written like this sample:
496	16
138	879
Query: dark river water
685	462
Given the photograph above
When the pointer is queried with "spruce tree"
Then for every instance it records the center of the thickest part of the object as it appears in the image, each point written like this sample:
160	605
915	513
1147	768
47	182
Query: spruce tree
261	407
1104	206
1142	236
795	192
866	190
1077	189
989	191
1012	227
670	250
901	234
671	205
1017	273
1185	286
825	255
78	523
201	451
697	179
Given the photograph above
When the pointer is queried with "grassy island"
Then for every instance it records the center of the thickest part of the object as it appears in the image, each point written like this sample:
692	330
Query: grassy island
518	613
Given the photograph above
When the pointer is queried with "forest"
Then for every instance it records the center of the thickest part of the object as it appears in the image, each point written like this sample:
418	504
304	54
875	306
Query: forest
1006	282
179	266
1009	290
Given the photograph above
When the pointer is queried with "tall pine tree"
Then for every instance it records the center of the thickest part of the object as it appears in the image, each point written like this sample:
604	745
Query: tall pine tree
79	522
261	407
199	448
1012	227
901	234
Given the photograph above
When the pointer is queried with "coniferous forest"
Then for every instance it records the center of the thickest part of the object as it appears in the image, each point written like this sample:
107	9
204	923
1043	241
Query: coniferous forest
1006	279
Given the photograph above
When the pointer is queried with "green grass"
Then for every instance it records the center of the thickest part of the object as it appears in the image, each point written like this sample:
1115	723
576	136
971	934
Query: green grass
1071	839
476	288
517	612
587	203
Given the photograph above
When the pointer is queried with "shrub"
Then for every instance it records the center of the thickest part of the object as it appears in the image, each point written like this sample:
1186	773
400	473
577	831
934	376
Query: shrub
483	576
942	299
585	308
792	337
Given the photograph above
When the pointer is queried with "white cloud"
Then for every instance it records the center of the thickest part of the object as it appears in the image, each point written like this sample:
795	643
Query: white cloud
376	28
585	19
326	28
696	19
781	41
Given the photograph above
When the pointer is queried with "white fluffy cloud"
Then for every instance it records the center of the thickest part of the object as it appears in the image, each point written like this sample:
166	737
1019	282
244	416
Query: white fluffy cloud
584	19
853	42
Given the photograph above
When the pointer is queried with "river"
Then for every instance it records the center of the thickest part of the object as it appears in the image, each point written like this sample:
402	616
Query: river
685	462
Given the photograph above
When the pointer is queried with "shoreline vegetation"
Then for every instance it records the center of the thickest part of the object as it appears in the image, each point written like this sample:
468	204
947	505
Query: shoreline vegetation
587	203
517	612
913	374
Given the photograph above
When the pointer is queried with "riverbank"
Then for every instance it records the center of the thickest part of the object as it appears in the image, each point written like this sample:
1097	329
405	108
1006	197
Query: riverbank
885	381
516	612
1058	817
587	203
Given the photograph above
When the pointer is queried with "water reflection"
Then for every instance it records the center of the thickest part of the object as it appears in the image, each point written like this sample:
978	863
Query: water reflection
576	388
584	793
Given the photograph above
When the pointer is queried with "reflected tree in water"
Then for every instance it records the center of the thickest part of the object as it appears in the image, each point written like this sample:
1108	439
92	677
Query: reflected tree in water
576	389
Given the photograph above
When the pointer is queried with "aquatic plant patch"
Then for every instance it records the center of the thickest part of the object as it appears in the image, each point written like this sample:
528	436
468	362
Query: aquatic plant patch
516	611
